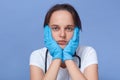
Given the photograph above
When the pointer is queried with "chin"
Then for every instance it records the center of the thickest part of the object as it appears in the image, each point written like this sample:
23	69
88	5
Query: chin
62	46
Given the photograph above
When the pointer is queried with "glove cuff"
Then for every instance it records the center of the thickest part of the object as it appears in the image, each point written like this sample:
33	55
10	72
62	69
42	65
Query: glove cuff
67	56
57	56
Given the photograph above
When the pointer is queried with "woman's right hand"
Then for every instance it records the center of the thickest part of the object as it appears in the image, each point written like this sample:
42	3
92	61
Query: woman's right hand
54	49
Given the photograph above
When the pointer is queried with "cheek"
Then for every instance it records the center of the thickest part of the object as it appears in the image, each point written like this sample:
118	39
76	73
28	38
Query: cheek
69	36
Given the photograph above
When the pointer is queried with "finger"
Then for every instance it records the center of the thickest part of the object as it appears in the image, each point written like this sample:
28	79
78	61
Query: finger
50	33
76	34
46	33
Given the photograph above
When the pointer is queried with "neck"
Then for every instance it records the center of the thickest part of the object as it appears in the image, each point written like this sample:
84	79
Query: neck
63	65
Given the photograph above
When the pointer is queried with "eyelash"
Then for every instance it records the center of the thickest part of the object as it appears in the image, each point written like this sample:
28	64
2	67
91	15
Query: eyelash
69	29
54	28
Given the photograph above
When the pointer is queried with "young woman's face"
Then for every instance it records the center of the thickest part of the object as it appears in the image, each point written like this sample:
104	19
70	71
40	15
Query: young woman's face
62	25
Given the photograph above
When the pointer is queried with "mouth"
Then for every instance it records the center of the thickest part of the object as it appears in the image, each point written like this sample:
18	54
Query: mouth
62	42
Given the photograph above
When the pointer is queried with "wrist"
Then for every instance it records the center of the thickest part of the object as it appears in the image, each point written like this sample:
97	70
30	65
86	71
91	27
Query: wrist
68	61
67	56
57	60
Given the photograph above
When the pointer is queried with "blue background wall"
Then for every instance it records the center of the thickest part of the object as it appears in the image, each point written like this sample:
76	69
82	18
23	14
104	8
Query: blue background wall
21	32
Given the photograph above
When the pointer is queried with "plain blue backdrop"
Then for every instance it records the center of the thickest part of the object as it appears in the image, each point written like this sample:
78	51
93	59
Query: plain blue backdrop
21	32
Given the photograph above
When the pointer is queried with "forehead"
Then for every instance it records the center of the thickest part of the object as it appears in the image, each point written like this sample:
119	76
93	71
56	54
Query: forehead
61	13
61	16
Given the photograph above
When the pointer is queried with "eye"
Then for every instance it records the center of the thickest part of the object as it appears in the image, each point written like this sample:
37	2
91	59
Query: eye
55	28
69	28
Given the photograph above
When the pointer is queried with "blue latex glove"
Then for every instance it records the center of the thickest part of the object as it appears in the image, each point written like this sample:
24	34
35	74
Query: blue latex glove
54	49
70	49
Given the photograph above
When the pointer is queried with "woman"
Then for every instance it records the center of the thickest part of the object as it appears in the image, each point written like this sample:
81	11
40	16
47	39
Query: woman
63	58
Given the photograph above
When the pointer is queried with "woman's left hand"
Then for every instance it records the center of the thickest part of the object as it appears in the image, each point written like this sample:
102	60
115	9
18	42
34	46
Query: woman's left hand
70	49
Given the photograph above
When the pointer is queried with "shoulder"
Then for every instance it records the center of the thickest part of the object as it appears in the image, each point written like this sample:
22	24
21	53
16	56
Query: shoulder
85	50
37	57
39	51
82	48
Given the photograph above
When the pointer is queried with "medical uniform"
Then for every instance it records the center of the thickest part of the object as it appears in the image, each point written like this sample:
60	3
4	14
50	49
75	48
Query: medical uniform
86	53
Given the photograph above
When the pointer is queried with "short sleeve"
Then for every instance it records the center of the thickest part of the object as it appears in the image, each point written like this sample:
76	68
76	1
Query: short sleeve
90	57
37	59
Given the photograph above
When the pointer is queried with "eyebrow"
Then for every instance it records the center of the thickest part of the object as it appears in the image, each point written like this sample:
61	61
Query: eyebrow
65	26
54	25
71	25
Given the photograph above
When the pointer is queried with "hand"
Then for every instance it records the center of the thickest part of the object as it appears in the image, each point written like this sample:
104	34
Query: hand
70	49
54	49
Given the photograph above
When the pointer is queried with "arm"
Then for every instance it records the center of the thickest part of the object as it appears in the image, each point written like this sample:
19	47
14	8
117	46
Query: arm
53	70
74	71
90	73
37	74
56	53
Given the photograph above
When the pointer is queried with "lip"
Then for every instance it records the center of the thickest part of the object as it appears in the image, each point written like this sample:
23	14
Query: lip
62	42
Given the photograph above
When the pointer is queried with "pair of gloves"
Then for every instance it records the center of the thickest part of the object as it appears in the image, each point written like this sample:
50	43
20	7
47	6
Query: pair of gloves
55	50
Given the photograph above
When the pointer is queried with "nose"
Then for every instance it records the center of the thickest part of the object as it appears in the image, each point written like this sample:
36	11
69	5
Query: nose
62	33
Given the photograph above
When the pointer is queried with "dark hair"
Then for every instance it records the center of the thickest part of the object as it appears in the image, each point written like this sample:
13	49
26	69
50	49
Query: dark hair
67	7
